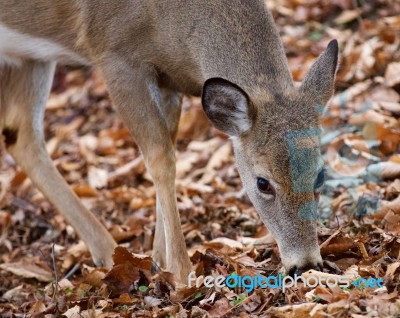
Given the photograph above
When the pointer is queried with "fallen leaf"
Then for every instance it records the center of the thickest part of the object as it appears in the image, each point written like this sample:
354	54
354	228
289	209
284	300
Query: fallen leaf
392	74
391	269
73	312
121	277
97	178
347	16
85	190
220	308
385	170
29	268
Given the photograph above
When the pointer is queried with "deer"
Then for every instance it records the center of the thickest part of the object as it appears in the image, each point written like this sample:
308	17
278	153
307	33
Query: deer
150	53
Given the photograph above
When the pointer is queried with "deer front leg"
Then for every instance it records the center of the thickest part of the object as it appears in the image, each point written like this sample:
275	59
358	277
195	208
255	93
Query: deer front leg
136	94
171	105
23	95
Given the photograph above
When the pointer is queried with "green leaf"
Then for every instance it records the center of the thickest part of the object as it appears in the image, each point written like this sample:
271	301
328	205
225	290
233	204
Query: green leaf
238	300
317	299
123	308
143	288
316	36
197	295
69	291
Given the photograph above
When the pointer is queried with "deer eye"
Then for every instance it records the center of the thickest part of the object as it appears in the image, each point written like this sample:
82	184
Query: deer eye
264	186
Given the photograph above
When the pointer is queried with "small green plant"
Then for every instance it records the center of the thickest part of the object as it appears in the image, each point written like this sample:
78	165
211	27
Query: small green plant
143	288
239	299
198	294
316	36
69	291
317	299
123	308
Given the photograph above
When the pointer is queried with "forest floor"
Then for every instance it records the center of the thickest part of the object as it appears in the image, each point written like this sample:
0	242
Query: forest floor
45	271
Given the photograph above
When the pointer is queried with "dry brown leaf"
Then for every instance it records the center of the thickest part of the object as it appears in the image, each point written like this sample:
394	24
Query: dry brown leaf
185	163
106	146
15	294
323	275
395	158
339	100
195	312
135	226
182	292
126	270
334	157
97	178
121	277
393	22
337	248
391	269
389	138
362	249
219	157
391	222
85	190
38	307
393	190
57	101
124	298
29	268
152	301
251	303
389	170
95	277
294	311
392	107
392	74
5	220
220	308
73	312
77	249
267	239
227	241
320	292
122	255
135	166
383	93
193	123
373	116
347	16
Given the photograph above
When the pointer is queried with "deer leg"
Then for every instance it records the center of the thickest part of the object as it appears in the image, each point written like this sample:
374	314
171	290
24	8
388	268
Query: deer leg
136	94
171	104
23	94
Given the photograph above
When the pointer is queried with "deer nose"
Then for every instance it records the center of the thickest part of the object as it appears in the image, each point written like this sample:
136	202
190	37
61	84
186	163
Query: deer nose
300	270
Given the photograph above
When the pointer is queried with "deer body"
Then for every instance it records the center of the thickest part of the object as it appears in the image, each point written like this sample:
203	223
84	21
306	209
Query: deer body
150	52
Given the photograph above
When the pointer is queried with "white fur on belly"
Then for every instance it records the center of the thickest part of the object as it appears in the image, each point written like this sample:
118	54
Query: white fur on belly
15	47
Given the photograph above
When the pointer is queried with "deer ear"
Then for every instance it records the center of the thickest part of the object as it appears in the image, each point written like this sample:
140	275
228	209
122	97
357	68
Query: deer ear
227	106
320	79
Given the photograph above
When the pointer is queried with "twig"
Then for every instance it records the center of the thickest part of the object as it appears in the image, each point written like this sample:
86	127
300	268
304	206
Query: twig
326	242
55	274
126	169
72	271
